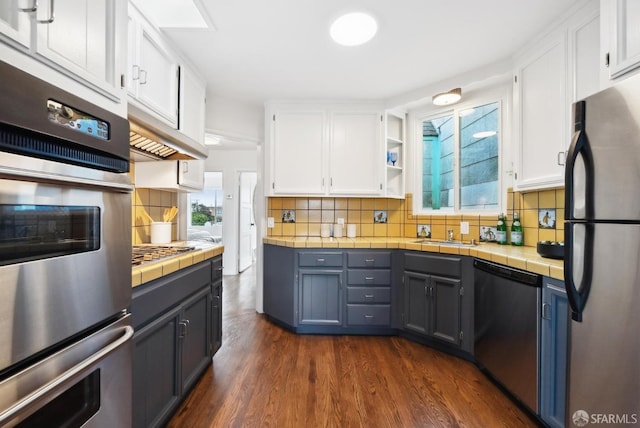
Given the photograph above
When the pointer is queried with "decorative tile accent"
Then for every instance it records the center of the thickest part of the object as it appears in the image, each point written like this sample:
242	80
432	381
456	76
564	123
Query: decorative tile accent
423	231
288	216
380	216
547	218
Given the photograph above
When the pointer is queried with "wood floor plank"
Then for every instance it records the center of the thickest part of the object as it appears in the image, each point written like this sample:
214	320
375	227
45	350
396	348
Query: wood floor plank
265	376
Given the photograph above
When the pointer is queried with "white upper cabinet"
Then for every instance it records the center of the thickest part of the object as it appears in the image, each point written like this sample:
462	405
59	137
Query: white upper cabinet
297	151
622	39
81	39
192	104
355	152
15	25
326	150
541	90
558	70
152	75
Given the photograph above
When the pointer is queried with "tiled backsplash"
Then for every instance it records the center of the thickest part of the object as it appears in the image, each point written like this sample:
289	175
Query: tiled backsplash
310	213
153	202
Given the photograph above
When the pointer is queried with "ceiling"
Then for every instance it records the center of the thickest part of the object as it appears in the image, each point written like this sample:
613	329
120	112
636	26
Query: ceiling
281	49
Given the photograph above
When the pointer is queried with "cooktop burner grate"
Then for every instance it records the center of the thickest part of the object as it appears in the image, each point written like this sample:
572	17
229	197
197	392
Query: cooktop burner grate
148	253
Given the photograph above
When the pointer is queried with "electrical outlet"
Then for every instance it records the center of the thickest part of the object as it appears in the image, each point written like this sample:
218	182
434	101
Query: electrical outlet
340	220
464	227
271	223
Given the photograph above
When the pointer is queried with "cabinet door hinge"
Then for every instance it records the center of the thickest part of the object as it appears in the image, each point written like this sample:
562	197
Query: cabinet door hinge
606	59
122	81
461	335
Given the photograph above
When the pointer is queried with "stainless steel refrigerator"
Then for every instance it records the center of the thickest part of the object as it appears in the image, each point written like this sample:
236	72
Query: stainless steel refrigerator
602	261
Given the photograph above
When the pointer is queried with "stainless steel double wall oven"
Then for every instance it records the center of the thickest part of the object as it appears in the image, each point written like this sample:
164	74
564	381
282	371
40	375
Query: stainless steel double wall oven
65	250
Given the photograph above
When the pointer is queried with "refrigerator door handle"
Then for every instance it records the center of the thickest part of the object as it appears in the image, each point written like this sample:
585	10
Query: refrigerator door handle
577	296
579	148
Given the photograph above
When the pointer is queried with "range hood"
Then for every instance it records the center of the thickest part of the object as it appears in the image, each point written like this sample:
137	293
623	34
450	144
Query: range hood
151	139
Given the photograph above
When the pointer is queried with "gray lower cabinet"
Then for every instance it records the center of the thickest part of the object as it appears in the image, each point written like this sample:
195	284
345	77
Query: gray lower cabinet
320	295
553	352
216	304
368	288
436	305
172	317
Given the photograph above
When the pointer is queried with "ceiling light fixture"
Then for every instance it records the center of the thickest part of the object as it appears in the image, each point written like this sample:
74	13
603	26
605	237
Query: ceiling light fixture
446	98
353	29
484	134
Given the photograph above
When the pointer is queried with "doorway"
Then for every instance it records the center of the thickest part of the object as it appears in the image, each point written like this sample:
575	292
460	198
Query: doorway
247	239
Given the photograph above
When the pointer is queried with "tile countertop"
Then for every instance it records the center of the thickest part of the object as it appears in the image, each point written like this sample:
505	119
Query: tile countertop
525	258
153	270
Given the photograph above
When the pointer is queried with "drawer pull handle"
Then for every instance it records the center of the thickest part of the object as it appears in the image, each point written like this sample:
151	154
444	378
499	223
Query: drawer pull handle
369	278
320	260
368	317
369	260
368	296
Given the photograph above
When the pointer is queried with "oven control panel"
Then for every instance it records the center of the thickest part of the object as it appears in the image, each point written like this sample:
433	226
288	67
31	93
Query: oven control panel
77	120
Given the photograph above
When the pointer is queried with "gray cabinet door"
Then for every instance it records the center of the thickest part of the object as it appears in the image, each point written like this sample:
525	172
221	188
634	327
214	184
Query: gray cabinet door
444	317
194	330
320	297
216	317
155	379
416	291
553	352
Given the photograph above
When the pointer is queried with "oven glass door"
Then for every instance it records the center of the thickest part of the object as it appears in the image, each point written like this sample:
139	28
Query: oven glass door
65	256
33	232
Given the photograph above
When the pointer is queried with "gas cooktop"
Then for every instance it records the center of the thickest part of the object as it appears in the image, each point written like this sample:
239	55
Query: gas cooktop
149	253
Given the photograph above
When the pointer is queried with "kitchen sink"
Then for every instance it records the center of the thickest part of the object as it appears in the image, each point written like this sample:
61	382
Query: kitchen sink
447	243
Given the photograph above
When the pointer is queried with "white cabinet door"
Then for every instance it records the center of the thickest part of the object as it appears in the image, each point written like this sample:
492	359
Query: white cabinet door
152	70
543	117
624	35
584	41
14	22
158	82
298	154
192	104
191	174
355	153
81	38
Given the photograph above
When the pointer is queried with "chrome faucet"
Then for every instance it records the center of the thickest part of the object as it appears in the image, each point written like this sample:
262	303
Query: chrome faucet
450	233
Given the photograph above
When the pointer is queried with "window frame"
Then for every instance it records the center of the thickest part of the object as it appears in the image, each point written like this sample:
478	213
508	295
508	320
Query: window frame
420	116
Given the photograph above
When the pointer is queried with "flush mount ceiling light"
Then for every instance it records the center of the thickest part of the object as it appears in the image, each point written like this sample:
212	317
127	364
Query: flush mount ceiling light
484	134
353	29
446	98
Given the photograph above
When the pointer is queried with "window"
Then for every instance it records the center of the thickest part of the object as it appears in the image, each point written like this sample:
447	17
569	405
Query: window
205	221
460	160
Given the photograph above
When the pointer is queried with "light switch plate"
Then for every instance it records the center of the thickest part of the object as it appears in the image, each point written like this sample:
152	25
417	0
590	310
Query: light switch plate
464	227
271	223
340	220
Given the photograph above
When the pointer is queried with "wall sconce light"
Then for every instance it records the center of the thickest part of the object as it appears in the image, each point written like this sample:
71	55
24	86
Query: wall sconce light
446	98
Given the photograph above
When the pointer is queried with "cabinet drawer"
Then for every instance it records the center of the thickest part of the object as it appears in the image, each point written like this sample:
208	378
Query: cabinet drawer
369	277
369	259
320	259
434	265
379	315
368	295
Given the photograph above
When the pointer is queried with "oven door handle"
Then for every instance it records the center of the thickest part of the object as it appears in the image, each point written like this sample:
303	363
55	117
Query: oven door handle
68	377
29	175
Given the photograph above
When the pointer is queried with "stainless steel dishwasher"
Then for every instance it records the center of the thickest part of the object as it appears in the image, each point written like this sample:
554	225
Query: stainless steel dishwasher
506	321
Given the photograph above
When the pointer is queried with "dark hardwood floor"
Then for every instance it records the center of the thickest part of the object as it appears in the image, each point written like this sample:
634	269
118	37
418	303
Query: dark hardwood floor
264	376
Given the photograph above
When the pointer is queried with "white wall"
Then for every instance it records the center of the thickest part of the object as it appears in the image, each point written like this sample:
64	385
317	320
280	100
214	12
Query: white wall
234	120
230	162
